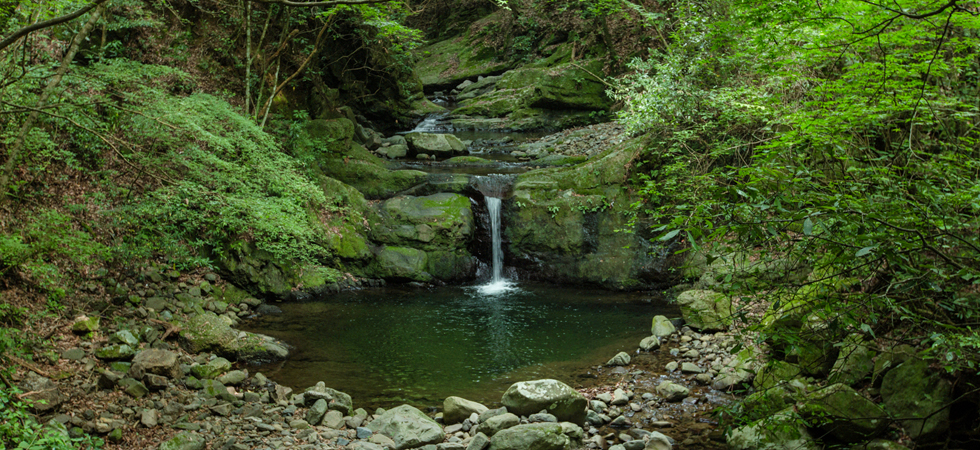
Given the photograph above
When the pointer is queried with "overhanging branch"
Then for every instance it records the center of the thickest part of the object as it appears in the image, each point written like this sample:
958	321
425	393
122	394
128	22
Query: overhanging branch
47	23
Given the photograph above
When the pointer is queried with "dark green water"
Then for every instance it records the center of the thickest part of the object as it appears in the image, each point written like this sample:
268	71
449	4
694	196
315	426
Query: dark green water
401	345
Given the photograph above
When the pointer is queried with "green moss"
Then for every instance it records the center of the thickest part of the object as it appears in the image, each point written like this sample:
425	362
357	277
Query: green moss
467	160
449	62
402	263
454	265
436	222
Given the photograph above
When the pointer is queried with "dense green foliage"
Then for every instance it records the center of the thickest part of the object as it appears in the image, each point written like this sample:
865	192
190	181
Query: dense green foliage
843	134
168	137
20	430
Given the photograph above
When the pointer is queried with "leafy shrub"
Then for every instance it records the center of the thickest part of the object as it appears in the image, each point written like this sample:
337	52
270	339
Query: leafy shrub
19	429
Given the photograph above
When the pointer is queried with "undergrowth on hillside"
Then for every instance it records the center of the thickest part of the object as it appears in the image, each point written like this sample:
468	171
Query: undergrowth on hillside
839	136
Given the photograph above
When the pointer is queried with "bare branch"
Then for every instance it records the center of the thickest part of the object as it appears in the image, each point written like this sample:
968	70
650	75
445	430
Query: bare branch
47	23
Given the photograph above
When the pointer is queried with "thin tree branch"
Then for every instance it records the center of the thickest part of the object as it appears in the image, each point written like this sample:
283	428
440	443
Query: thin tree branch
14	153
47	23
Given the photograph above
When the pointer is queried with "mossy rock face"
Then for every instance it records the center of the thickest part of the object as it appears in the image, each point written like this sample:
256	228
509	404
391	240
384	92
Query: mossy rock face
448	63
401	263
560	225
458	265
366	172
345	237
267	276
438	222
919	397
843	413
535	97
742	270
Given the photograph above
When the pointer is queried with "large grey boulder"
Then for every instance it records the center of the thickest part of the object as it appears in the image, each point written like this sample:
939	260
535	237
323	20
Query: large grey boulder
918	397
156	362
843	413
534	436
407	427
458	409
705	310
528	397
443	145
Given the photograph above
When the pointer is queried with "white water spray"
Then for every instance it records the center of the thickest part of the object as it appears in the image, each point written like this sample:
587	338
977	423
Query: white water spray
493	188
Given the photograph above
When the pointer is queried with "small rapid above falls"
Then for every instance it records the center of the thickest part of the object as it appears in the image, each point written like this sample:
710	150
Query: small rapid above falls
494	187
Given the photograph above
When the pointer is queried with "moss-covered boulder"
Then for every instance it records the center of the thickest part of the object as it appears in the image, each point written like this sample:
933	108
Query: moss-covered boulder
889	359
367	173
265	275
766	402
705	310
842	412
855	361
554	93
402	263
918	397
407	427
781	431
774	373
452	265
208	332
438	145
449	62
438	222
563	225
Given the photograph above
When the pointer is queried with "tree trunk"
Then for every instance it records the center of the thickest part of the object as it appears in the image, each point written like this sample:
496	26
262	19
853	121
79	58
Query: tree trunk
13	154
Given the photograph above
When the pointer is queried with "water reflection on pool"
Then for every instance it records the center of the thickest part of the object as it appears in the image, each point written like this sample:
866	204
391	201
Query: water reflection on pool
403	345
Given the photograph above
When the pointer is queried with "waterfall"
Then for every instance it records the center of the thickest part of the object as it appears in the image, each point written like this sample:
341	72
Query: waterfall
433	123
493	208
494	187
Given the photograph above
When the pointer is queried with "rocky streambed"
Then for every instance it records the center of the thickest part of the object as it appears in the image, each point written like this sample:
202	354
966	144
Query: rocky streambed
171	372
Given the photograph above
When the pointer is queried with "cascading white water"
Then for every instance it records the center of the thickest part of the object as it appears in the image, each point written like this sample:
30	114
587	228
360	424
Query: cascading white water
493	188
493	208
